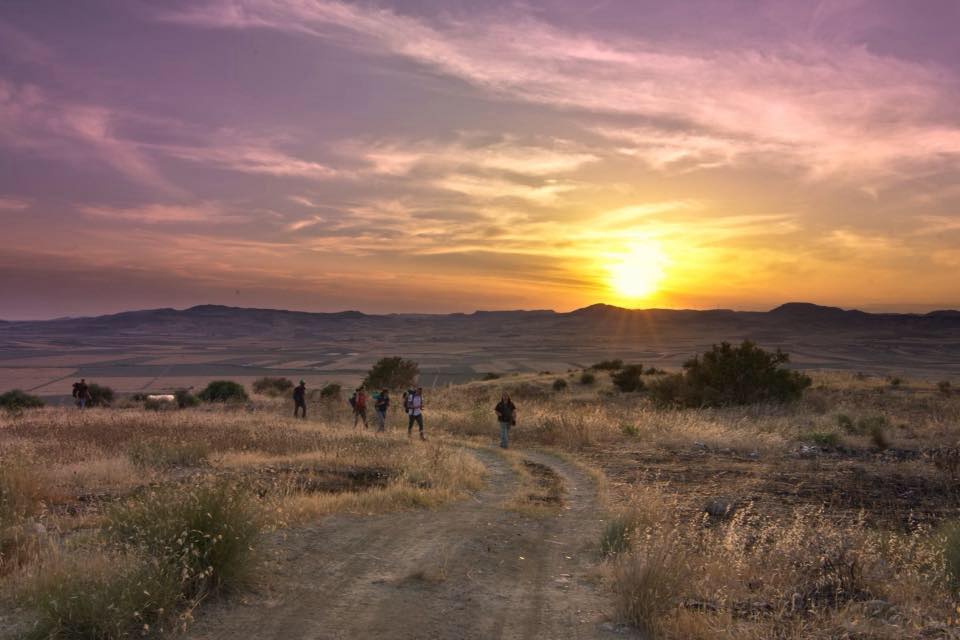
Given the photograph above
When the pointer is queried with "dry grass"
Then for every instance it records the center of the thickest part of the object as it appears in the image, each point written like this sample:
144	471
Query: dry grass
818	536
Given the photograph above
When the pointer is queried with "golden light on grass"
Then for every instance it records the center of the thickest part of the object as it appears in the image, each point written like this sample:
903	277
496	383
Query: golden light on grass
636	274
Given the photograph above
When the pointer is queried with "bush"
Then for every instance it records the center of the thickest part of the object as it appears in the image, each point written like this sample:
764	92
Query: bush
101	597
608	365
617	536
185	399
204	535
728	375
845	422
653	371
647	586
491	376
272	386
559	384
331	391
895	381
18	400
944	387
629	378
827	439
100	395
223	391
862	426
629	430
587	378
392	373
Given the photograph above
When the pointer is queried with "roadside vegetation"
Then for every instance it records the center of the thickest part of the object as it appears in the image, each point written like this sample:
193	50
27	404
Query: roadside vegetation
746	499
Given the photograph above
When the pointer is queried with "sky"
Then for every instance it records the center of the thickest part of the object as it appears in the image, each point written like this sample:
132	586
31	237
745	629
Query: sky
423	156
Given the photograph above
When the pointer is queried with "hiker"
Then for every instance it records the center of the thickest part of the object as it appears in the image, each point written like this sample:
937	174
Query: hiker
359	403
82	393
413	403
506	416
381	404
300	399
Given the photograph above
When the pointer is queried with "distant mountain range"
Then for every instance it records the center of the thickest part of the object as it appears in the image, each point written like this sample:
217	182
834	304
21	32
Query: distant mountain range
223	321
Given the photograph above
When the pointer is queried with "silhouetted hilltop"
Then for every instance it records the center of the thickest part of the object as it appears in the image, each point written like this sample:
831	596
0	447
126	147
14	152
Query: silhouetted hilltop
597	319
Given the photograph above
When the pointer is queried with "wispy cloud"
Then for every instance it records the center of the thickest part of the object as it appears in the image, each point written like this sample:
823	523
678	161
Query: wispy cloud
203	212
8	203
32	120
833	108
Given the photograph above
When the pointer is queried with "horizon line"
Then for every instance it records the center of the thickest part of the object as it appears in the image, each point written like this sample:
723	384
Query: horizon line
871	309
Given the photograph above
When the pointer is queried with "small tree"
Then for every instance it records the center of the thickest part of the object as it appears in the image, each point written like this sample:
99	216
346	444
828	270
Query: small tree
18	400
392	373
330	391
728	375
185	399
629	378
944	387
223	391
100	395
587	378
608	365
272	386
559	384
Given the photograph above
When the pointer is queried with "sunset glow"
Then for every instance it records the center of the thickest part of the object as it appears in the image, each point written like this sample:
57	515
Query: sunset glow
637	274
325	154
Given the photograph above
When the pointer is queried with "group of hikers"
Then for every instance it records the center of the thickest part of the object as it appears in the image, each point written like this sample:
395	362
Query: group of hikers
505	410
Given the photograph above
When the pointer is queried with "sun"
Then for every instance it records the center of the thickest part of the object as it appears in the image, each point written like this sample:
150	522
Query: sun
638	272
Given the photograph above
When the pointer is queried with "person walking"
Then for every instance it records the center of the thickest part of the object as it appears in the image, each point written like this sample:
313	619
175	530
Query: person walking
359	402
381	405
413	403
83	393
300	399
507	417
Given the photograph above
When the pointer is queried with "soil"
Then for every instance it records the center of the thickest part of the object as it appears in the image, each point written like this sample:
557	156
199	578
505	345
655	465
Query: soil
474	569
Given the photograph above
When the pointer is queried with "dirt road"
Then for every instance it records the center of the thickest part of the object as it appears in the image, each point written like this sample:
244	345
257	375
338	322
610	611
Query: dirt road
470	570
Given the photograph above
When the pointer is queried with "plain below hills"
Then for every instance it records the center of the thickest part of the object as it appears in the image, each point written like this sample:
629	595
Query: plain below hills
165	348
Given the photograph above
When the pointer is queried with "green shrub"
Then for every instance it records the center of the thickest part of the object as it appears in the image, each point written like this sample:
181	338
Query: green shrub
100	395
331	391
617	536
559	384
944	387
203	534
845	422
729	375
895	381
185	399
629	378
629	430
828	439
392	373
223	391
272	386
653	371
18	400
608	365
100	598
587	378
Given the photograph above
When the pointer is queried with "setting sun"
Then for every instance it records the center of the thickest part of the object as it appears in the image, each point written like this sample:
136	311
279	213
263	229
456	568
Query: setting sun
637	273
